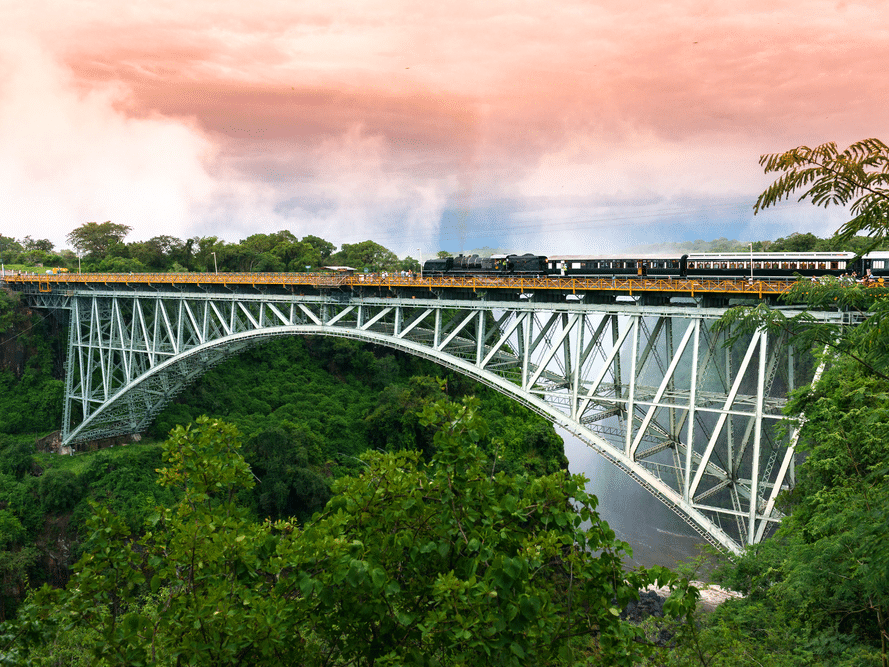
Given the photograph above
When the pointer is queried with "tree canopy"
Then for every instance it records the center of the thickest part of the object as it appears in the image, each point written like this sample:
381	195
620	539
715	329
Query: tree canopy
857	177
366	255
96	238
817	593
442	563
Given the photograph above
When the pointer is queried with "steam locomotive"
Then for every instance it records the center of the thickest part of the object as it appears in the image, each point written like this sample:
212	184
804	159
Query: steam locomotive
758	266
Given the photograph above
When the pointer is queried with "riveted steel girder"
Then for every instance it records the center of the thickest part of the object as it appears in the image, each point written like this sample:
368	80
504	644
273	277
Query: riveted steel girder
654	389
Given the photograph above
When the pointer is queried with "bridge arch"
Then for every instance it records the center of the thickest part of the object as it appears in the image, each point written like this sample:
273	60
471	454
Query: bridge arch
652	389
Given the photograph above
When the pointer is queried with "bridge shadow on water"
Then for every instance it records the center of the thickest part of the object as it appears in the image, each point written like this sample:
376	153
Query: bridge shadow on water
656	535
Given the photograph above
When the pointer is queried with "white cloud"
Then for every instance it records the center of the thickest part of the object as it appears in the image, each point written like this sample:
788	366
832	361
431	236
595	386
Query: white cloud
69	156
346	189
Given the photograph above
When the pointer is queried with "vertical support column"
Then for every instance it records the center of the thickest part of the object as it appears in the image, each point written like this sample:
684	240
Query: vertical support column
205	319
155	334
730	422
399	315
671	384
122	343
71	363
436	336
95	350
692	402
631	389
180	315
757	436
528	319
578	364
480	338
566	348
617	373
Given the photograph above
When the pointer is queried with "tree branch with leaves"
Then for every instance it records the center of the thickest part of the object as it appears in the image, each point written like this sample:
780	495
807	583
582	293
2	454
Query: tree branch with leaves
856	177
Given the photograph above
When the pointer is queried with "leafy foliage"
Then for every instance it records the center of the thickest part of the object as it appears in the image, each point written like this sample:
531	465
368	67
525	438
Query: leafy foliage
856	177
867	342
309	406
818	592
366	255
410	563
96	239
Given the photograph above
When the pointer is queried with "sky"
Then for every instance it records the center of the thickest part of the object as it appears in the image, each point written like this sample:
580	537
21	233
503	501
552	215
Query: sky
549	127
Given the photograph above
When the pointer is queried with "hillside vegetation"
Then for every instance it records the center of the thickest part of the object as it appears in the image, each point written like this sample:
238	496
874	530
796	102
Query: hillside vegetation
307	408
432	528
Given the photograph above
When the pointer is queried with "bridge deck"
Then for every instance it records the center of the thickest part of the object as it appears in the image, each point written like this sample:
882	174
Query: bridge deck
622	285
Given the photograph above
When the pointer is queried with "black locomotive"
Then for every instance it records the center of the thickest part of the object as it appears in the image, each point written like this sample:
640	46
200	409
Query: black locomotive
522	265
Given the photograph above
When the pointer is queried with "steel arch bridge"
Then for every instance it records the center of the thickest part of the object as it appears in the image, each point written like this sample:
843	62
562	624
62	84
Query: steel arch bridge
653	389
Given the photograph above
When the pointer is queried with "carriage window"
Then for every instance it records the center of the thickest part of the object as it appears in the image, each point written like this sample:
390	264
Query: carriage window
879	264
575	265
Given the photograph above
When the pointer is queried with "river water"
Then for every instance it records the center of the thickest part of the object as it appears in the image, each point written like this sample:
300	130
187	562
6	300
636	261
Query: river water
657	536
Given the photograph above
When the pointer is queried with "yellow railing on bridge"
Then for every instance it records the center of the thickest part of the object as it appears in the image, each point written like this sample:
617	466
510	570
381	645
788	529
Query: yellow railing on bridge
629	285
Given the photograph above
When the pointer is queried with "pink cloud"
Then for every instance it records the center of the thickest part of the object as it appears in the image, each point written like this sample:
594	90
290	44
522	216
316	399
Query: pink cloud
553	108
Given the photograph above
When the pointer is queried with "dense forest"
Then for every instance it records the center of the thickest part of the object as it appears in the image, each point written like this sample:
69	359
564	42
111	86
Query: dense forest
306	408
319	501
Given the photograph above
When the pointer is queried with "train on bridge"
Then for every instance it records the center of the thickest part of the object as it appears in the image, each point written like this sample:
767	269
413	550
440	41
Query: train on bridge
704	266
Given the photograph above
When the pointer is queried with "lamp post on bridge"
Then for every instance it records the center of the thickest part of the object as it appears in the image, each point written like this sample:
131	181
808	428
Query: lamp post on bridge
420	259
751	261
215	265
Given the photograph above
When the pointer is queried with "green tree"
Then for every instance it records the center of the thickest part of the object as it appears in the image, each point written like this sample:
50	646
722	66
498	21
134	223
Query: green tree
866	342
797	242
409	264
9	249
44	245
303	255
120	265
201	250
95	238
438	564
857	177
366	255
818	591
159	252
324	248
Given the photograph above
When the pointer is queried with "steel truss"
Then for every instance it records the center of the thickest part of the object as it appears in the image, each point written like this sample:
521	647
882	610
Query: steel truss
653	389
